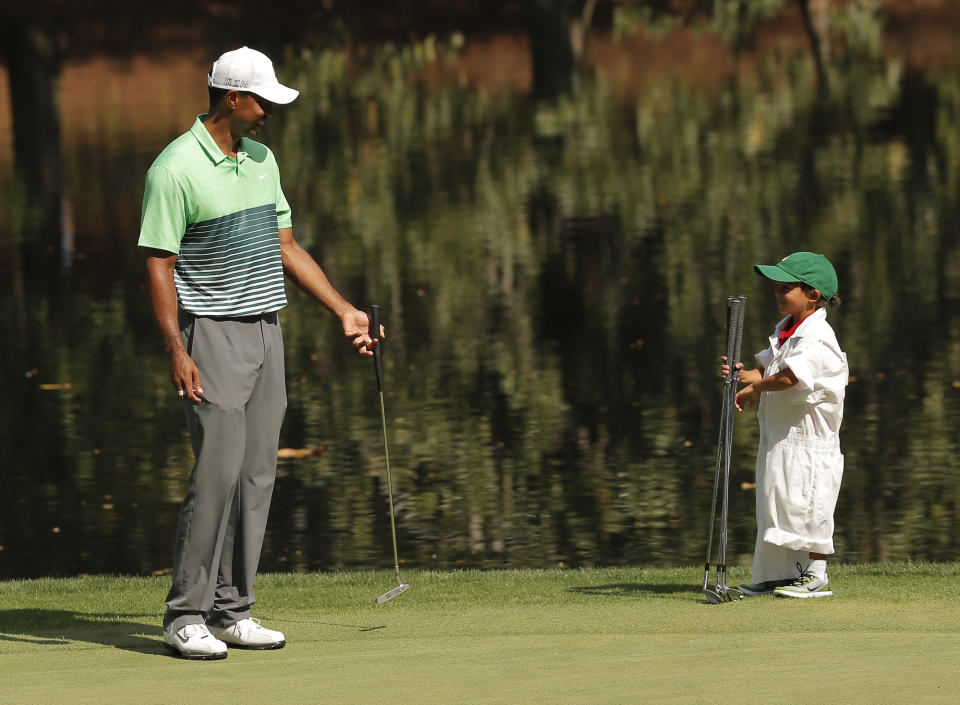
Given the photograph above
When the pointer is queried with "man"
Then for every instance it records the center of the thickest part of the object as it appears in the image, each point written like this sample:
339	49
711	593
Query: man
217	233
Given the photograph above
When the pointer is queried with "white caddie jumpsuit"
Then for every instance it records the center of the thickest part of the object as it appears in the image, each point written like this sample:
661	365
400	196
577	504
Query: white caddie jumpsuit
799	463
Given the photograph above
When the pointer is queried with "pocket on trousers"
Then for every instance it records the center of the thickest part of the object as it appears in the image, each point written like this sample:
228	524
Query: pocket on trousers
187	323
793	490
829	474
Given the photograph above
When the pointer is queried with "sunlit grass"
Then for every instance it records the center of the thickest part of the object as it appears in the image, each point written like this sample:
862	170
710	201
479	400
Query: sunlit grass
509	636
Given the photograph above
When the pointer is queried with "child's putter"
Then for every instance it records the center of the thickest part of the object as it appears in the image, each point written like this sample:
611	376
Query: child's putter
378	365
720	593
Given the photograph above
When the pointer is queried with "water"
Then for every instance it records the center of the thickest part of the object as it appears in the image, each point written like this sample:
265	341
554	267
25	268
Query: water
552	276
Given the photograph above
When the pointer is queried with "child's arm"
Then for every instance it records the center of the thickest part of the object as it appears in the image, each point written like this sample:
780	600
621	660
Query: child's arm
745	376
777	382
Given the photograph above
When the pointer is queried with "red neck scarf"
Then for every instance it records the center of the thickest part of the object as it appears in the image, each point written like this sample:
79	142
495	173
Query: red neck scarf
788	331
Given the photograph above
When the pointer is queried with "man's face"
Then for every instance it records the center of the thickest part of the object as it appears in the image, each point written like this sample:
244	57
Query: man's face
249	114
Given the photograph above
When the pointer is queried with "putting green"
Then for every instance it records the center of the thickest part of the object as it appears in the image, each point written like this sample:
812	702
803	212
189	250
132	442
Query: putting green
890	635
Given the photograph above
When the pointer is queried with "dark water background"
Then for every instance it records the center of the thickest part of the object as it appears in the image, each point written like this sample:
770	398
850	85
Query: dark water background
552	272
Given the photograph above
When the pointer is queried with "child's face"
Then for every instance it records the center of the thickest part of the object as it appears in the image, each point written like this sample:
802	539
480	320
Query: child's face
792	300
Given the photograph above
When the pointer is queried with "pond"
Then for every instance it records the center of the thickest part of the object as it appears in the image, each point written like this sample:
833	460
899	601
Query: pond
552	275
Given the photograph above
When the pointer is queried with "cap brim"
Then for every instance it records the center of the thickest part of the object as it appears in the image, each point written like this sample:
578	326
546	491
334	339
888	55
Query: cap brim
773	272
277	93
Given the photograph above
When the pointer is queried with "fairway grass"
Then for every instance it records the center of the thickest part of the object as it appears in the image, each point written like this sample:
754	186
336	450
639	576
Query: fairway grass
891	634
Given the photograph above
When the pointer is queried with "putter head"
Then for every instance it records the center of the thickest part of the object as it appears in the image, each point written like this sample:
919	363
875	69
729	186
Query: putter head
722	594
713	597
732	595
390	594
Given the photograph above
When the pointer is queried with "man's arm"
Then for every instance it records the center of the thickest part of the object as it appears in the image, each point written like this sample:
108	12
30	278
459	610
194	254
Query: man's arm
163	300
307	274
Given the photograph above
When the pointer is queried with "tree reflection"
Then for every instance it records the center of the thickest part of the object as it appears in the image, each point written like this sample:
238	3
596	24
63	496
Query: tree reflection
552	276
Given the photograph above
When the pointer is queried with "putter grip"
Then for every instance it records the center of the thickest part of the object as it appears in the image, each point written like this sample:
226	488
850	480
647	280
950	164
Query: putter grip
375	334
735	305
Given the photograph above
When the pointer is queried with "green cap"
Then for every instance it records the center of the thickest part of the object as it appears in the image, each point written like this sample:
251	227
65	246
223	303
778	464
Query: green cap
807	267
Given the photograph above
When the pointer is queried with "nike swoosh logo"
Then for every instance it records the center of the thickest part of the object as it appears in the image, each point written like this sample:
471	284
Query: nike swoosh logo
263	176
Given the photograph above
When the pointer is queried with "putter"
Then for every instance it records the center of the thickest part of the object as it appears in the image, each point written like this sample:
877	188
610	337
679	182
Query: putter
720	593
378	365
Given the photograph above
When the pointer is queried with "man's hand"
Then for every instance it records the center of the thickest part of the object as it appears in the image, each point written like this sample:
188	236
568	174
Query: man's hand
356	328
185	376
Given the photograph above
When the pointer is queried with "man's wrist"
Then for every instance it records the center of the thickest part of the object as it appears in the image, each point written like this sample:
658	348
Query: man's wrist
175	349
343	310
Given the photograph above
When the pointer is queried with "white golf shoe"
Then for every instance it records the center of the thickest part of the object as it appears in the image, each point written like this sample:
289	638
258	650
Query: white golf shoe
248	634
195	642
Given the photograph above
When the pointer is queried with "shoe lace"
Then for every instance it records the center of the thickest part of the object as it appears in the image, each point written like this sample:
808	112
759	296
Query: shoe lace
191	630
805	576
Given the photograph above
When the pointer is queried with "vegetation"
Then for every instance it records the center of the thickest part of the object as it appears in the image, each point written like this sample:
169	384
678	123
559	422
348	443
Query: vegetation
552	276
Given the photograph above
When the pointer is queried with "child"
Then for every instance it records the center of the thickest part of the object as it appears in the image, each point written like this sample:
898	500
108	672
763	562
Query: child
799	387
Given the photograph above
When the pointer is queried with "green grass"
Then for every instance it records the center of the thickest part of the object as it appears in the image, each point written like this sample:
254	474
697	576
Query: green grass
632	635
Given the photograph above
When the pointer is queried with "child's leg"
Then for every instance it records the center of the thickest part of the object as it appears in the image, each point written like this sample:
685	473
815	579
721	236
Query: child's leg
772	562
818	564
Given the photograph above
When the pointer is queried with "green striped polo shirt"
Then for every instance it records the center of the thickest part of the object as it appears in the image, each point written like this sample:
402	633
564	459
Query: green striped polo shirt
221	216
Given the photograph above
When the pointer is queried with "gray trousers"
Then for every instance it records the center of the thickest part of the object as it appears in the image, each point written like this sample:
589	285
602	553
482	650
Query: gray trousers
234	432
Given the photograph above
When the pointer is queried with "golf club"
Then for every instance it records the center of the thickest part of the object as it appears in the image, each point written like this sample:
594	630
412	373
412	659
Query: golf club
720	592
378	365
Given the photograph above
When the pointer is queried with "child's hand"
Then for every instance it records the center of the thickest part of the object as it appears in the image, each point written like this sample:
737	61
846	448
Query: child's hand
725	368
743	376
749	395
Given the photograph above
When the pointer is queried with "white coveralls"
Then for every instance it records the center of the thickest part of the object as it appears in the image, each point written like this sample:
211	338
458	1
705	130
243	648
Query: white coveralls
799	464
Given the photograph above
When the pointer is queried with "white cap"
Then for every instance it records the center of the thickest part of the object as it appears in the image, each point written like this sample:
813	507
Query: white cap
247	69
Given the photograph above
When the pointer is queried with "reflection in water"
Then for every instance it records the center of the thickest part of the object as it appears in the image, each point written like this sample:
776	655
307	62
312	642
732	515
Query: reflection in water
552	276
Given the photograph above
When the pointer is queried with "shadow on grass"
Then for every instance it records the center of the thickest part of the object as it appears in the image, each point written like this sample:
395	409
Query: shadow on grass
617	589
351	627
62	627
